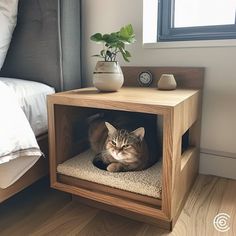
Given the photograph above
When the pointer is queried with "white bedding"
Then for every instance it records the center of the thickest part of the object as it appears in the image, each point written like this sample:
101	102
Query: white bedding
16	136
32	98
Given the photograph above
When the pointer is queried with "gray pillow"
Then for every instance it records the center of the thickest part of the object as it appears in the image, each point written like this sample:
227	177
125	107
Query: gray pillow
45	46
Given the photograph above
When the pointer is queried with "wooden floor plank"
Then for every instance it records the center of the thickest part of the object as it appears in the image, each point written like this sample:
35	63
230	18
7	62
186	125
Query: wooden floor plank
27	210
109	224
51	213
69	221
209	196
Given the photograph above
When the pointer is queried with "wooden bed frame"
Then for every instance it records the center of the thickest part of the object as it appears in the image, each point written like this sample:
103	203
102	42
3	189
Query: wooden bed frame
29	58
39	170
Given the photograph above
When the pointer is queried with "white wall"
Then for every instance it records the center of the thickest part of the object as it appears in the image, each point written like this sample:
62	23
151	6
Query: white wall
219	102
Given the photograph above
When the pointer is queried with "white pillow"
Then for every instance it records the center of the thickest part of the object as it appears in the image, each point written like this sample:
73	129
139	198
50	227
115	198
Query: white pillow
8	17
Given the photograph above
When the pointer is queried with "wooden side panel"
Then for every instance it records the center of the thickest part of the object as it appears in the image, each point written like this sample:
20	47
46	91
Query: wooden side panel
154	202
167	163
51	139
112	200
176	122
165	224
67	133
185	166
186	77
71	131
189	112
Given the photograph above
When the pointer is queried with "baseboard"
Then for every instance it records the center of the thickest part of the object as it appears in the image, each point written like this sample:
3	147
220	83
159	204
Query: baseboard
215	164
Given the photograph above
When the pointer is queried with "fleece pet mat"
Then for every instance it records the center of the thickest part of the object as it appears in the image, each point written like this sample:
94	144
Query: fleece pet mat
146	182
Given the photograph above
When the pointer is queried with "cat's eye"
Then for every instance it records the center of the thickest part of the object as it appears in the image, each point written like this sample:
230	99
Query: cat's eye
126	146
113	143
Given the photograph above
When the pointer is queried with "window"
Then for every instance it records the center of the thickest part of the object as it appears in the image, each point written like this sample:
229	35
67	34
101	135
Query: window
180	20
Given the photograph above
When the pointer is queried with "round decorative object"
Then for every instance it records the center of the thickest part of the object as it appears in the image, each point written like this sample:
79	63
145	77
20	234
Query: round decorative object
108	76
167	82
145	78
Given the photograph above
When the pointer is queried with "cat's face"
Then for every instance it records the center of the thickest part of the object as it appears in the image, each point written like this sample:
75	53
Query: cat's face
123	145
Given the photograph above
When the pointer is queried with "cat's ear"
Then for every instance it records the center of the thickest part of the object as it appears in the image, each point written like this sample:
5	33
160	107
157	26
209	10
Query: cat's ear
111	128
139	132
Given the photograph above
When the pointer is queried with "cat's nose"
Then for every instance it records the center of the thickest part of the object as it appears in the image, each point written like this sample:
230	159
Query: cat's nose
117	151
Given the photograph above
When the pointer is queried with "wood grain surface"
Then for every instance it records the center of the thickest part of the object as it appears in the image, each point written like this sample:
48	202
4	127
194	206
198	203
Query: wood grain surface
180	110
40	211
186	77
91	97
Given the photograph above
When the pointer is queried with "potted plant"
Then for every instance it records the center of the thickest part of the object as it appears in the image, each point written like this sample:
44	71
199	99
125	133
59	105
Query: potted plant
108	75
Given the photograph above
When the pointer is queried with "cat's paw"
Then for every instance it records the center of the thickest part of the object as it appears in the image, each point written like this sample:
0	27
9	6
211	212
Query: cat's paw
114	167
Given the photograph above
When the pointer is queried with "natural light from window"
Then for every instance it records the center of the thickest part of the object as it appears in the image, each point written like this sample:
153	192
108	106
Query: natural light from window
204	12
189	13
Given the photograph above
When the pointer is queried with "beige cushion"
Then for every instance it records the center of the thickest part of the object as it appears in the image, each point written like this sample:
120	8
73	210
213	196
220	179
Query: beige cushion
147	182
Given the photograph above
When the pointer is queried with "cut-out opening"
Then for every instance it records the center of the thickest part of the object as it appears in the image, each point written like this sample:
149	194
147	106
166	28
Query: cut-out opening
72	124
188	146
185	142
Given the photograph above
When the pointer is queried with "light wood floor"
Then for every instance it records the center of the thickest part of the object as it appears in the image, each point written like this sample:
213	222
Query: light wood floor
43	211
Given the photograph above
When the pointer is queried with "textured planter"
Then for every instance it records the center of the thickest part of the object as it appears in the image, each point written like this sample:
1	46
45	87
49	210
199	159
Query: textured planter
108	76
167	82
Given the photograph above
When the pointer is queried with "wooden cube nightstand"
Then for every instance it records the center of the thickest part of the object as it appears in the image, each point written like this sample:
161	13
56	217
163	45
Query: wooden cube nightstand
180	111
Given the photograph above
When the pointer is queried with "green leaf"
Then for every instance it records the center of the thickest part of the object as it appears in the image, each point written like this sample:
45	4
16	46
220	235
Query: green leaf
115	34
115	43
97	37
129	29
127	32
125	58
105	37
120	44
131	40
122	50
112	39
123	53
127	54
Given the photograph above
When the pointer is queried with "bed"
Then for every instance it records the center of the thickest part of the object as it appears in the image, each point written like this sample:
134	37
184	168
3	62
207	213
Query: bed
43	58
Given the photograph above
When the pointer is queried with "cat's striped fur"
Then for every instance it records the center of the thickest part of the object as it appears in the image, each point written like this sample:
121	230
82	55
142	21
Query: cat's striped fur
118	149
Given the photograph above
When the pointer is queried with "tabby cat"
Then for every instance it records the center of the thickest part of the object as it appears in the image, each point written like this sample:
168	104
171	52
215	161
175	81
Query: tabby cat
118	149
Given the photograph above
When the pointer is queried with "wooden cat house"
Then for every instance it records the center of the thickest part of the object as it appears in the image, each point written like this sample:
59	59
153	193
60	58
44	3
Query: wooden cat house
155	195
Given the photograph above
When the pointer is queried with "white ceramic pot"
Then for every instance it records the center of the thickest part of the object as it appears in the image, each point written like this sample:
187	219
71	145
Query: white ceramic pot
167	82
108	76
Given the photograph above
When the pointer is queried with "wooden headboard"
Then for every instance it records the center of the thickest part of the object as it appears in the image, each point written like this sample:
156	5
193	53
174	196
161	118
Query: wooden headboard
186	77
